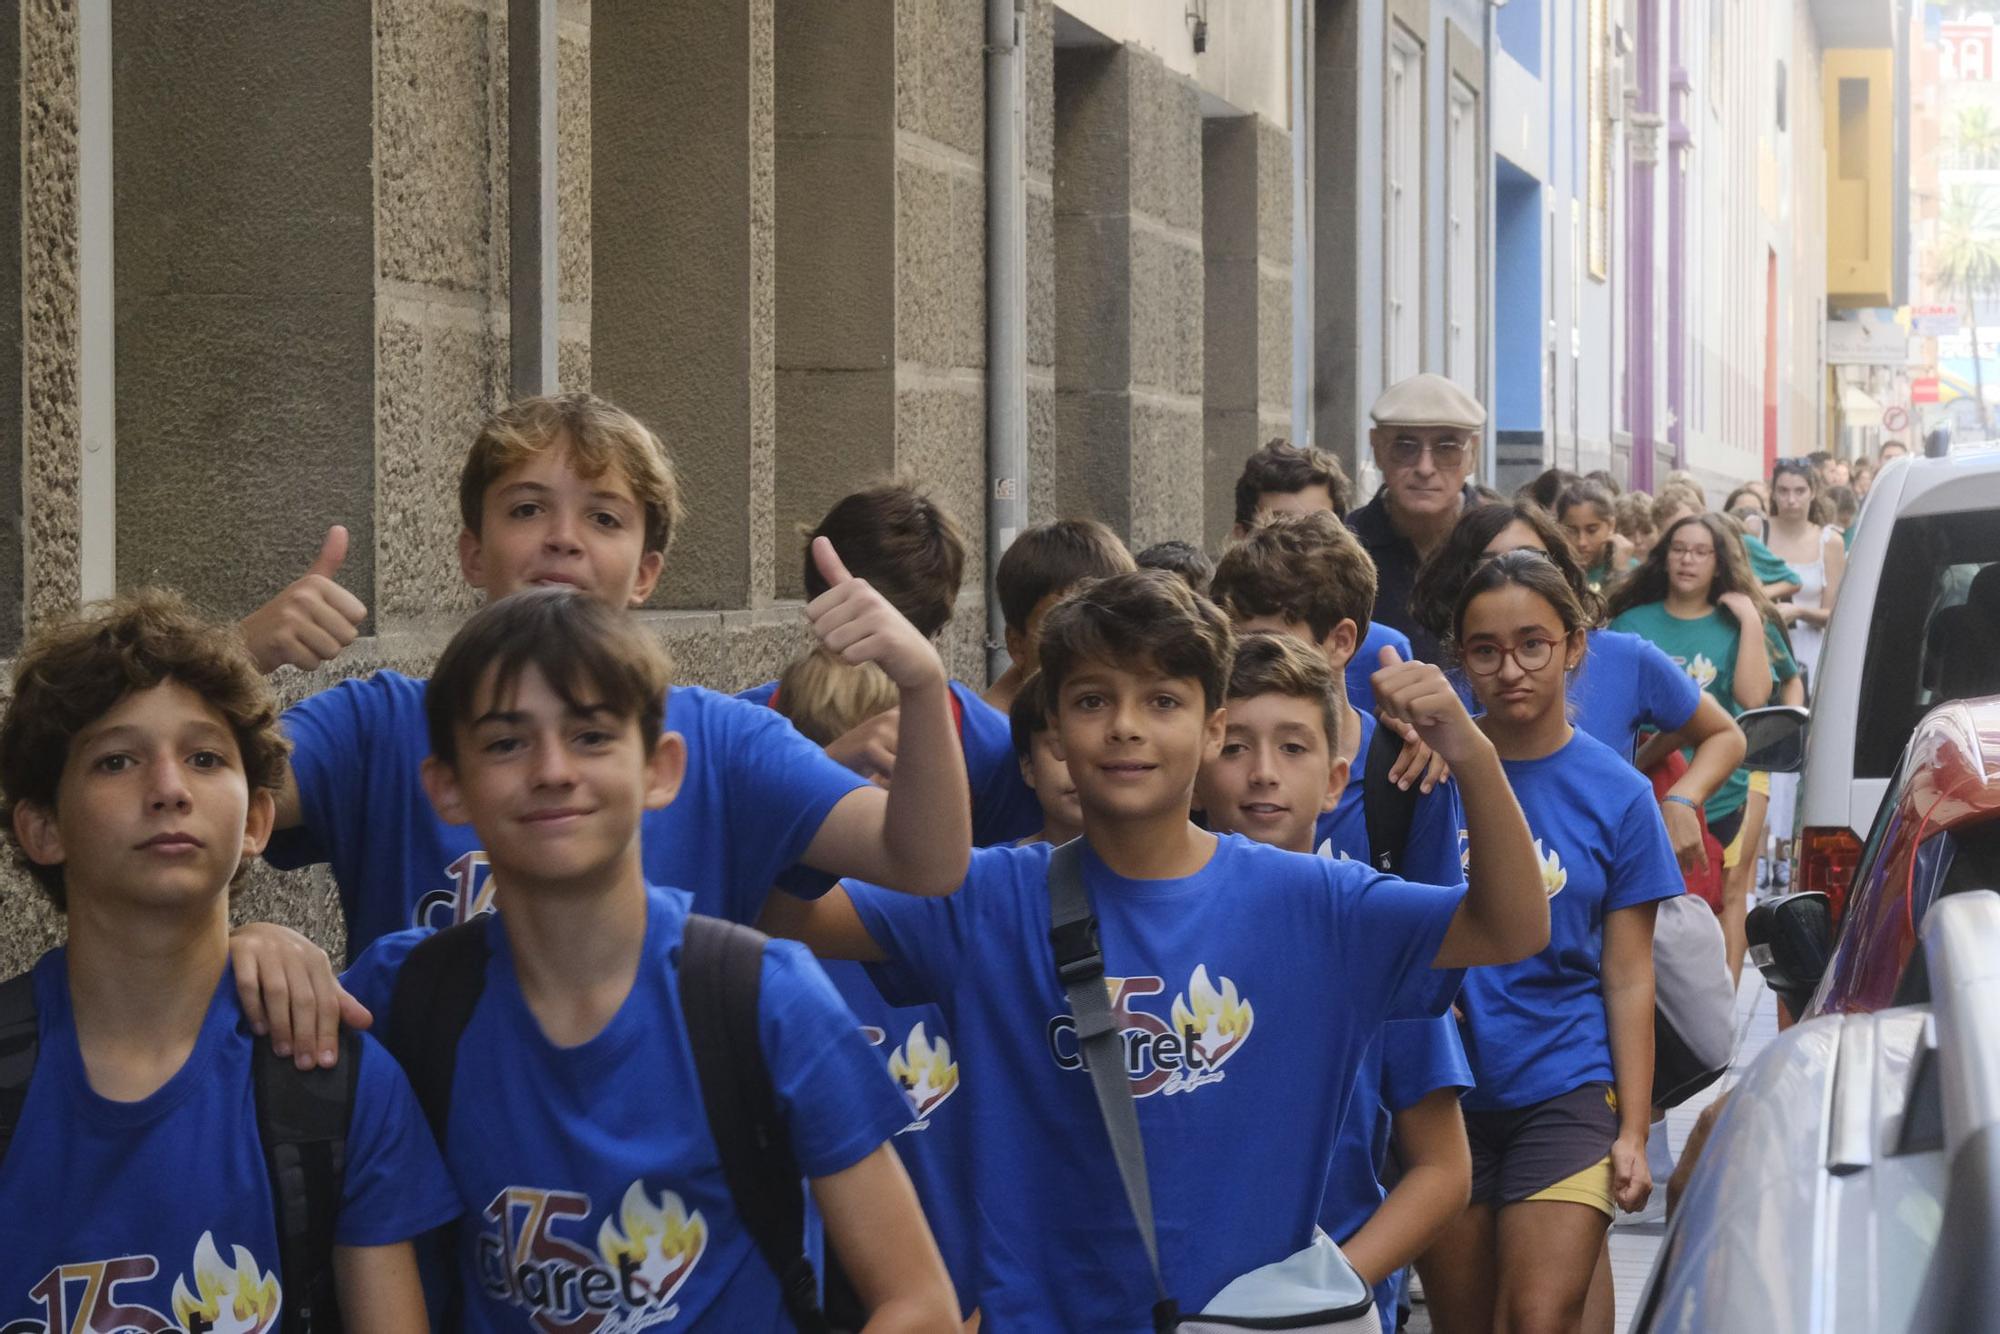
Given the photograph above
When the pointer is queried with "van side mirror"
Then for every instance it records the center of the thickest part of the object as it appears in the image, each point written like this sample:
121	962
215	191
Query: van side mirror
1774	739
1791	942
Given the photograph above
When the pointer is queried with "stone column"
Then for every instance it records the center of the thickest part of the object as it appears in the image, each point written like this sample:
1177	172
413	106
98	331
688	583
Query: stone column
1247	346
1129	270
681	314
940	286
836	259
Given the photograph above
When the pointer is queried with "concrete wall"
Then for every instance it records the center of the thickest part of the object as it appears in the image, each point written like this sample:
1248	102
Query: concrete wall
772	247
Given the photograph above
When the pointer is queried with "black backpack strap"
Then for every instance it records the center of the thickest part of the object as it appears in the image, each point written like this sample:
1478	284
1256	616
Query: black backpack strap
1387	810
20	1043
1080	967
302	1118
721	973
436	991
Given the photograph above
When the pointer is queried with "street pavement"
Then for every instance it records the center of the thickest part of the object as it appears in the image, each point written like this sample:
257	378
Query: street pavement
1634	1246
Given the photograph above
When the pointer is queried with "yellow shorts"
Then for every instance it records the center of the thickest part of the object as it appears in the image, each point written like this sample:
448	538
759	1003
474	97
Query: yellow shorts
1760	784
1591	1186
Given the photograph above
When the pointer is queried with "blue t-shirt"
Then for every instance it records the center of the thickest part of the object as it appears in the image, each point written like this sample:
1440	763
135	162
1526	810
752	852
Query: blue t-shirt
1433	853
755	794
158	1214
914	1043
1367	661
1004	807
1625	684
1247	992
590	1181
1536	1028
1408	1060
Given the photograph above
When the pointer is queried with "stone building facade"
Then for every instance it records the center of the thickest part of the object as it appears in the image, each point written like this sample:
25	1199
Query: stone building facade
264	276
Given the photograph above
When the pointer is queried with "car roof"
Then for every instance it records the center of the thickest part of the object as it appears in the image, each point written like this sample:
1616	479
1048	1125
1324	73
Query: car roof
1952	767
1926	482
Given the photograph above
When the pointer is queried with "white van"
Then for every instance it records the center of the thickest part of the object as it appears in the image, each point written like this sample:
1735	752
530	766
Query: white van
1916	622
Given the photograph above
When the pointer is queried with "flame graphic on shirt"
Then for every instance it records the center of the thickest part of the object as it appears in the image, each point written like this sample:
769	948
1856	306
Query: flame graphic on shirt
925	1069
1217	1020
239	1299
1701	669
660	1243
1554	878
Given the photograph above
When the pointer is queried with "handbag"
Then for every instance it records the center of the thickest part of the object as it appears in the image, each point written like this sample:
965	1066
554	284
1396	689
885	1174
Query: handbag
1313	1290
1694	1001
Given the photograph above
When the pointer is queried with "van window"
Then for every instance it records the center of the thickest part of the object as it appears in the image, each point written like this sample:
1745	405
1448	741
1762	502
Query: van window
1935	633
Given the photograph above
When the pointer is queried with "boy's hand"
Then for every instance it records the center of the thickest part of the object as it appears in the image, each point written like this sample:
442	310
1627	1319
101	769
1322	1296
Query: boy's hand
1417	694
1418	762
288	990
870	748
312	620
859	624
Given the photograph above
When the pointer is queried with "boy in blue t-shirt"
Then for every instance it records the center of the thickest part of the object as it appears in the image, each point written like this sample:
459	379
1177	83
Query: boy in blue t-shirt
571	491
1248	980
574	1121
1305	575
1039	569
1043	768
909	550
1280	479
137	759
1278	768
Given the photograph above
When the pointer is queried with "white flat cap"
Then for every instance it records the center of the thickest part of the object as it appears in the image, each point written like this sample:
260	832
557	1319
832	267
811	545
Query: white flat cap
1428	400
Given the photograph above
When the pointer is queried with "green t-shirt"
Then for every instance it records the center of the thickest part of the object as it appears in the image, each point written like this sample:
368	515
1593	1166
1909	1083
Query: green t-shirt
1705	648
1766	565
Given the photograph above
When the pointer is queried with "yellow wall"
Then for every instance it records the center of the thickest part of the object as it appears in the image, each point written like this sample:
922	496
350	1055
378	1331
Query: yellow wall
1860	157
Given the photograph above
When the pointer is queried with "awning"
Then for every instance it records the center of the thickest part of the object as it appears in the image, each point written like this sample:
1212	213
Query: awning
1858	409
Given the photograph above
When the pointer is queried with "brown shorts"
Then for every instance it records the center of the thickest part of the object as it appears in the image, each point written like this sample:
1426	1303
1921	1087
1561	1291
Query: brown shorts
1551	1150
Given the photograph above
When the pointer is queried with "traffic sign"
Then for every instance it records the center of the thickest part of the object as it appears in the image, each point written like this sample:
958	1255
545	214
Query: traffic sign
1924	390
1895	418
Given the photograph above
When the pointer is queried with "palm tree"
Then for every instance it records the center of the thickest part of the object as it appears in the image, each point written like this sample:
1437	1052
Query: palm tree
1975	138
1966	261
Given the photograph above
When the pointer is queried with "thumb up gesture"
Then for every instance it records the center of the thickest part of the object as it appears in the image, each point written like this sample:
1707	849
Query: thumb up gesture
856	622
312	620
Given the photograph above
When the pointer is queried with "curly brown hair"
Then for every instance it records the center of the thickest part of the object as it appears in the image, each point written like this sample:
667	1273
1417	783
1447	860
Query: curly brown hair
71	674
1306	568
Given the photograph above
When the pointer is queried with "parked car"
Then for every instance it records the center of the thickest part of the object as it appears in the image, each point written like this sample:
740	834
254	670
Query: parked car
1916	623
1852	1182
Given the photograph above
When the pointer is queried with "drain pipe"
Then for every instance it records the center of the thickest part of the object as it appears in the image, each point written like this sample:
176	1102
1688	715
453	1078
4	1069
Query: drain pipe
1006	303
1303	376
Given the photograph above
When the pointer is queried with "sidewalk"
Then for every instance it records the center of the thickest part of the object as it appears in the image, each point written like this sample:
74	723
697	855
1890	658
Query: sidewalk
1634	1247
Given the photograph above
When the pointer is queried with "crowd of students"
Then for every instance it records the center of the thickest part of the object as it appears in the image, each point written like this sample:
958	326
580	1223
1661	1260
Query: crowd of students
1359	810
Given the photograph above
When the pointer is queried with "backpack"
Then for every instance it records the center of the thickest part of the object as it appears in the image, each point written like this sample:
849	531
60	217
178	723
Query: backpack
1388	810
721	970
302	1119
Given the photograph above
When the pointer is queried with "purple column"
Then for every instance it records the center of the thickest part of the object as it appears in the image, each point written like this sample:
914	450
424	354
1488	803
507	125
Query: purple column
1639	328
1678	140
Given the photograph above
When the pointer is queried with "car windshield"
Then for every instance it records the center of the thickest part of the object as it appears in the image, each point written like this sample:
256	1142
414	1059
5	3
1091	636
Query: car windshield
1937	639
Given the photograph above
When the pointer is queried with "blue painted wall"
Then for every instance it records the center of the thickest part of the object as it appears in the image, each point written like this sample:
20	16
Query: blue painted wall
1517	298
1519	26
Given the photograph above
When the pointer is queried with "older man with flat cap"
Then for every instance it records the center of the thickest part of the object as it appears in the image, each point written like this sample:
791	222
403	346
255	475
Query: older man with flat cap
1425	438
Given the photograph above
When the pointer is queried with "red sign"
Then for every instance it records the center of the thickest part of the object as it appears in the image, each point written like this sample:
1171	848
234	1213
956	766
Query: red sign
1968	51
1924	390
